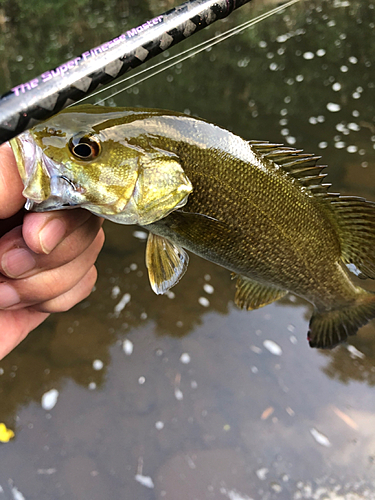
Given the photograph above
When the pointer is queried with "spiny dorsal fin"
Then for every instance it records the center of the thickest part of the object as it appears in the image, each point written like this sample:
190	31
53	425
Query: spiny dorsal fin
251	295
298	165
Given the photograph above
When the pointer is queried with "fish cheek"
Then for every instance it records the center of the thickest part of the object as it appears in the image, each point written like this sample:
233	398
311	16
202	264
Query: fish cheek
110	187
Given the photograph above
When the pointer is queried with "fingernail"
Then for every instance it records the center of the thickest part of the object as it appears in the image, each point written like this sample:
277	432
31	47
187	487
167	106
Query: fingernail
17	262
8	296
51	235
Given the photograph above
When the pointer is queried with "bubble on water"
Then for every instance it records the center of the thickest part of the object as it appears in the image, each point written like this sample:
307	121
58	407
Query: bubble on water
262	473
254	369
344	68
49	399
308	55
313	120
273	67
340	127
282	38
331	23
128	347
92	386
178	394
356	95
354	126
283	112
159	425
340	144
291	140
283	122
97	364
320	438
321	118
141	380
262	44
115	292
333	107
140	235
336	86
355	113
299	78
204	301
272	347
320	52
352	149
208	288
284	131
353	60
364	164
185	358
322	145
121	305
144	480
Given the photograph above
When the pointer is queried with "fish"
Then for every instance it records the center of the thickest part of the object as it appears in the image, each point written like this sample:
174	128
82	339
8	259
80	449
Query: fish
260	210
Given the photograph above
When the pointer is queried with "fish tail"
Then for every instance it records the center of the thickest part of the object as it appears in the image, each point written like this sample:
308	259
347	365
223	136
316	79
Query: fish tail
330	327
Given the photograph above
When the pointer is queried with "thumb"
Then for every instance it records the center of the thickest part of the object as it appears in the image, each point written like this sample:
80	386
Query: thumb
11	199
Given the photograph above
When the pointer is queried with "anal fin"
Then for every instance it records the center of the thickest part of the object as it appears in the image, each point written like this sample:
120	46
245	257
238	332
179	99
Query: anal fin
251	294
166	263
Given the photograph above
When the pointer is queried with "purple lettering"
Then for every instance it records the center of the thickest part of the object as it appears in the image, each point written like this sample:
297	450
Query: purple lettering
131	33
86	55
139	29
70	64
46	76
34	83
104	47
63	69
16	90
76	61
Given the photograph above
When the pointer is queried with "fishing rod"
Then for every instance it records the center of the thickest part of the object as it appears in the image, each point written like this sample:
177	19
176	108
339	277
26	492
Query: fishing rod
45	95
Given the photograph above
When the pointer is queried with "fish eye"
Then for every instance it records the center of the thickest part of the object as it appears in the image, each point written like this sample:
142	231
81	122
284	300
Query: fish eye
84	147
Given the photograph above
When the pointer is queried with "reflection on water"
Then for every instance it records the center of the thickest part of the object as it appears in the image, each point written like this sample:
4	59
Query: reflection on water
184	396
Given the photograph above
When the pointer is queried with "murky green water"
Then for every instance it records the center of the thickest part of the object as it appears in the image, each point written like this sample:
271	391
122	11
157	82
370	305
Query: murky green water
184	397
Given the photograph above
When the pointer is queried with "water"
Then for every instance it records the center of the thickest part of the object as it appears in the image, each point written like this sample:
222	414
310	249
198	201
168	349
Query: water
136	396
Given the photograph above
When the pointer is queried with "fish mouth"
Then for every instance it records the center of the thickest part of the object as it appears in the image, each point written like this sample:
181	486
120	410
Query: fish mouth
45	187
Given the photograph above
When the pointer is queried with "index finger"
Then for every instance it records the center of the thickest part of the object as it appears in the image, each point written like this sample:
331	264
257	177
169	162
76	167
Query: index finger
11	186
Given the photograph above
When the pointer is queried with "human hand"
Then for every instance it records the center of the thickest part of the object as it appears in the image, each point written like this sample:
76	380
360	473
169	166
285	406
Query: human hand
46	259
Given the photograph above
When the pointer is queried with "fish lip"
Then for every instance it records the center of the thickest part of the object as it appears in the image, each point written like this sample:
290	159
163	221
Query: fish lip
30	157
25	152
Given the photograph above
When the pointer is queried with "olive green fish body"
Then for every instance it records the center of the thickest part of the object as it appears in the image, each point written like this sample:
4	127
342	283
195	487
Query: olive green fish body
258	209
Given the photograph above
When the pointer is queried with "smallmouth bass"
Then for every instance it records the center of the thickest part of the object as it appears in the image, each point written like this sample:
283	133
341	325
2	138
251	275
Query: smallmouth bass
258	209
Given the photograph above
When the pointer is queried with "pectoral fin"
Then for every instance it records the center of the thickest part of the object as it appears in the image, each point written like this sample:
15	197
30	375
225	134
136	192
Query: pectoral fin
251	295
166	263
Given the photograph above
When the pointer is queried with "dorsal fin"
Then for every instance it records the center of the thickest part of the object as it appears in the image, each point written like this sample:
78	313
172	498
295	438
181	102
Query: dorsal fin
296	164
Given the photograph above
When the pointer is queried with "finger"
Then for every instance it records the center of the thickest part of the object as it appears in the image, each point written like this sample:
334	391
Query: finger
47	285
10	184
44	231
15	325
18	261
69	299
